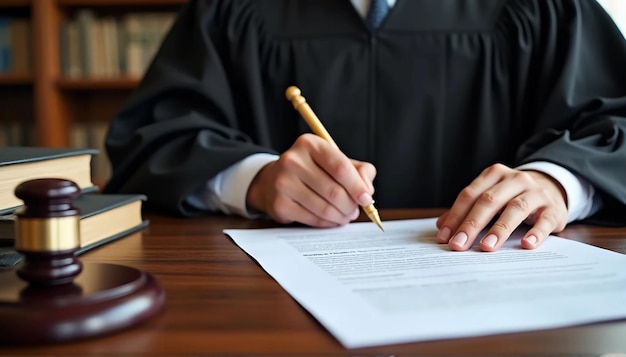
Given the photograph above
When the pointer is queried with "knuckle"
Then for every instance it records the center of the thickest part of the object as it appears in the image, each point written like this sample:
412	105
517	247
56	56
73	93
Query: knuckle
305	140
288	160
453	219
341	168
472	223
502	226
490	170
523	177
548	221
553	221
495	169
334	193
326	213
488	198
500	167
467	194
520	203
281	183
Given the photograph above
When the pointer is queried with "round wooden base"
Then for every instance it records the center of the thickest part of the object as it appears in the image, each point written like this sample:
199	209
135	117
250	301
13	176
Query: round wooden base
102	299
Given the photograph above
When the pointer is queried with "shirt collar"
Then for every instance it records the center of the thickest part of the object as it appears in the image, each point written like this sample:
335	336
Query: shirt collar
362	6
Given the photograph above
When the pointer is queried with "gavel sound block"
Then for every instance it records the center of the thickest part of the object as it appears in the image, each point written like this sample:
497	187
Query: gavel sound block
52	296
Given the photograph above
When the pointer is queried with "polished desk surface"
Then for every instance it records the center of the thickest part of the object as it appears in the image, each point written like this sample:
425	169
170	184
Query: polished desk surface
220	302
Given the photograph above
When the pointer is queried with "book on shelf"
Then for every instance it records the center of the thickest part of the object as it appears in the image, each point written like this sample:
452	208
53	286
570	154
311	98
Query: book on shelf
94	45
103	218
15	131
15	52
23	163
5	46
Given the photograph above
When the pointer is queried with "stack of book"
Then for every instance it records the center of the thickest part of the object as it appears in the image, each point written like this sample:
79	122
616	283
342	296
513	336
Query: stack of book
103	217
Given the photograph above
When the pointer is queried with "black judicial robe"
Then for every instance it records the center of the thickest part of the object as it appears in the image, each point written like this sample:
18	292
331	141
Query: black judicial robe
442	90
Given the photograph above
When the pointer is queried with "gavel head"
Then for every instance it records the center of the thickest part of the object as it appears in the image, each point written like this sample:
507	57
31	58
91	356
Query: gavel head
47	231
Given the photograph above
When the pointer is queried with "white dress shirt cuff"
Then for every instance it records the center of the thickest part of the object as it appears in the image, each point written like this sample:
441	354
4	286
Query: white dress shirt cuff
227	191
581	199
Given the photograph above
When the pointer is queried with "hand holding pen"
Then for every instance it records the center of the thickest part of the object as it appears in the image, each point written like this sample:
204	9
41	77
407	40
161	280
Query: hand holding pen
313	183
298	101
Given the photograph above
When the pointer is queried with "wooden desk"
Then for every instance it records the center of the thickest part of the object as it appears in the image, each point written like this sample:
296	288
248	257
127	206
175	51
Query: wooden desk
220	302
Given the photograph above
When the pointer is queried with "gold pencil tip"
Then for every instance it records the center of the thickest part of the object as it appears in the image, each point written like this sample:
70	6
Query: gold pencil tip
372	213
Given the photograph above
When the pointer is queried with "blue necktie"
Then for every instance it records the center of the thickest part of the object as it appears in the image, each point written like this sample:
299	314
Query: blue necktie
377	12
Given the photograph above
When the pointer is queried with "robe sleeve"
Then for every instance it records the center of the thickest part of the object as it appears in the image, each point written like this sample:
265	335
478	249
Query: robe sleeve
182	126
570	68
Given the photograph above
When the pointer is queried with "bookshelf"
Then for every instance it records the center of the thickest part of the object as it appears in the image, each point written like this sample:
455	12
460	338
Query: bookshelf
50	106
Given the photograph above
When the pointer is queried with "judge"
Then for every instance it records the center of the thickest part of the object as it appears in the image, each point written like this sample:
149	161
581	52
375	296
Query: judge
505	111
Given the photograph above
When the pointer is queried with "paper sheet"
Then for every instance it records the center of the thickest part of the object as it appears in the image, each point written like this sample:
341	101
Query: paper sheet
374	288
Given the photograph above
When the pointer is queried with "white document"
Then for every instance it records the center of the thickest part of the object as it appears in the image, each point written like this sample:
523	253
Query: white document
374	288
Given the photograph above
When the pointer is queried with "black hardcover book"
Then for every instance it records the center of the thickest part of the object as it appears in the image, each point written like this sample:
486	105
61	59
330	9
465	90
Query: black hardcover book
23	163
103	218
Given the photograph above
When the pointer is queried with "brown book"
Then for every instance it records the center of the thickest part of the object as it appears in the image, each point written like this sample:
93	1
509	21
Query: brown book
20	46
23	163
103	218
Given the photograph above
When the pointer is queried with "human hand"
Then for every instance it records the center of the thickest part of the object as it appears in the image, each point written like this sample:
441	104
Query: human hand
312	183
517	196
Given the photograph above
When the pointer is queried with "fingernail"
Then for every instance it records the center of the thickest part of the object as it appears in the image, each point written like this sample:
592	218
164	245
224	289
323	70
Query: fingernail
532	240
444	235
490	240
365	199
459	239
